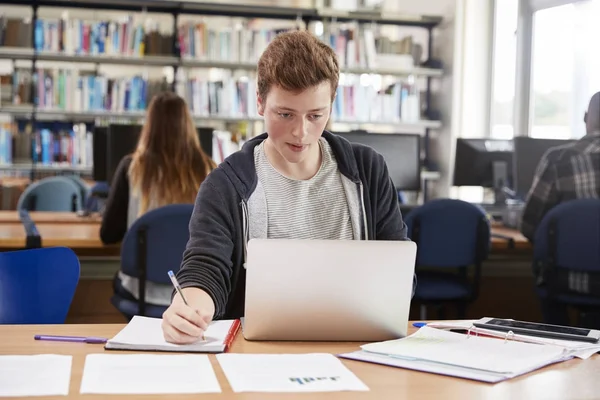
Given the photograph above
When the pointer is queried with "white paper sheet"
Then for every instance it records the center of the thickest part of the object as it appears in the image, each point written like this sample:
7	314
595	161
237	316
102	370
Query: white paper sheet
288	373
148	374
35	375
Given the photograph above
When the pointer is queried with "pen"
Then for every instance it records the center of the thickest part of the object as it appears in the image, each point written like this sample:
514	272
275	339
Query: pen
77	339
419	324
178	288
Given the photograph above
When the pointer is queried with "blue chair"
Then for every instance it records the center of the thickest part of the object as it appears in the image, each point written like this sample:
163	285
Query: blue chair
566	258
55	193
451	235
152	246
37	286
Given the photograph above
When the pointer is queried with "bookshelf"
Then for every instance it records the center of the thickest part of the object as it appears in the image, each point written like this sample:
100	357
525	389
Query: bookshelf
135	44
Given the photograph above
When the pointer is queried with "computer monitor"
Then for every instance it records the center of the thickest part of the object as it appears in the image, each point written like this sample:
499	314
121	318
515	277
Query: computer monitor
484	162
99	147
122	140
400	151
527	155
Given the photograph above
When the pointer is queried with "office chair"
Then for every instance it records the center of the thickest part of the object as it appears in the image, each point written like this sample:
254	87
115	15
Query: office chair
566	258
451	235
152	246
54	193
37	286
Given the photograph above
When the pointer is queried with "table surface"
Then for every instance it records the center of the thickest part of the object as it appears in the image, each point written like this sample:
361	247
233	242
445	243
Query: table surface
574	379
43	217
68	229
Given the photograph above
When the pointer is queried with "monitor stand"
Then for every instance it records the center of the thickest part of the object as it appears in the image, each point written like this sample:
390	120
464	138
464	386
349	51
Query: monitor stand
500	176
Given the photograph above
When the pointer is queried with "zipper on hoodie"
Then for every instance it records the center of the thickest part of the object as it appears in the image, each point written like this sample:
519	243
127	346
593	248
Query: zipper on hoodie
246	228
363	210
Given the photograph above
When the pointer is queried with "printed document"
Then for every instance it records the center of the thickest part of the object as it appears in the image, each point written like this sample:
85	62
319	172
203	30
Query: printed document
288	373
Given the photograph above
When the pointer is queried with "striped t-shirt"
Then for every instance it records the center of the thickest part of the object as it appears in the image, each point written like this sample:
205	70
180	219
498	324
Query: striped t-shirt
315	208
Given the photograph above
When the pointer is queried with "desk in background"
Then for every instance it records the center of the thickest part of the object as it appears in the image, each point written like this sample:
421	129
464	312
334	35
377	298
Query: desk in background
82	233
45	217
568	380
507	270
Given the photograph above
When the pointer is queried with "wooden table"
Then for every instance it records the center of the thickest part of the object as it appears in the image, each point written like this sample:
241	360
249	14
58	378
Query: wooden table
81	237
45	217
575	379
82	233
519	242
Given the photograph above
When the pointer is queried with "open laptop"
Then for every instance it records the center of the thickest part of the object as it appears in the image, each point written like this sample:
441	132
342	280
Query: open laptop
328	290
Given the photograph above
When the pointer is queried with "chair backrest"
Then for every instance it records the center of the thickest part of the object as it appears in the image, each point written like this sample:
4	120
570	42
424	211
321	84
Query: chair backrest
83	187
163	233
37	286
569	236
55	193
449	233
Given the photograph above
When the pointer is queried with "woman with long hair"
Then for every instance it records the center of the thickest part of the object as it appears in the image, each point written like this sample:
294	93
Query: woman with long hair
167	167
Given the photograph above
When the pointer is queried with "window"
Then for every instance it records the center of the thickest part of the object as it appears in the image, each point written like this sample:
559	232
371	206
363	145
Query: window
504	68
565	68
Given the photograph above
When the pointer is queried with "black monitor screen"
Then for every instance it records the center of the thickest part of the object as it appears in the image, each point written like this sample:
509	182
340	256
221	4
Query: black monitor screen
528	153
123	139
99	137
400	151
478	161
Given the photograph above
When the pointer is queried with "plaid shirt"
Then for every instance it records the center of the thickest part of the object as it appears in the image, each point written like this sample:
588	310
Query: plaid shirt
567	172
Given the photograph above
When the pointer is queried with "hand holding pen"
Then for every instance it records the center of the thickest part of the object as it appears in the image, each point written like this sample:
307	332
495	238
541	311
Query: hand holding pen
186	320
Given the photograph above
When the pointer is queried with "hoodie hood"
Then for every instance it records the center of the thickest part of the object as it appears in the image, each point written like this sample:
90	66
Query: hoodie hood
239	166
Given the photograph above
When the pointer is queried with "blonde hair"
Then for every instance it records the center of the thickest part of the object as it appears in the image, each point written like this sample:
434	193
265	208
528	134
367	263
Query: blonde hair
168	164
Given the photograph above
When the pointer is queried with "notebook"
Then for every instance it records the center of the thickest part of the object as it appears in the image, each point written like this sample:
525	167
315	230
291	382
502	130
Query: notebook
145	334
454	354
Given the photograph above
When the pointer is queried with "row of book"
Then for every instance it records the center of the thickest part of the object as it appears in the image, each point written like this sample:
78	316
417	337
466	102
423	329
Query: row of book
355	102
47	147
65	89
356	45
231	98
123	37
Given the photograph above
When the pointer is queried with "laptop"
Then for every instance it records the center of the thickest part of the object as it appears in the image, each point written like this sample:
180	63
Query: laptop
328	290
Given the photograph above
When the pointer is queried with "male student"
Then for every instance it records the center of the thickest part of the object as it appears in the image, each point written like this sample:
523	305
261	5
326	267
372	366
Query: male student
566	172
296	181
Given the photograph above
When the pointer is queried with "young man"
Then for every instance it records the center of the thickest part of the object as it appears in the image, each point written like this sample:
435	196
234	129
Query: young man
295	181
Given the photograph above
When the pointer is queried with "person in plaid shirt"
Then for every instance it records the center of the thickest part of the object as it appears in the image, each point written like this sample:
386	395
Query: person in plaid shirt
567	172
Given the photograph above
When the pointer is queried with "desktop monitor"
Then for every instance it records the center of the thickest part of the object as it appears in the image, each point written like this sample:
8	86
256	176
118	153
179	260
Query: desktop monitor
484	162
122	140
99	147
527	155
400	151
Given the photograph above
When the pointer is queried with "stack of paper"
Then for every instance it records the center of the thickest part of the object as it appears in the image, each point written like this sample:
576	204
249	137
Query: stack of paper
579	349
144	333
455	354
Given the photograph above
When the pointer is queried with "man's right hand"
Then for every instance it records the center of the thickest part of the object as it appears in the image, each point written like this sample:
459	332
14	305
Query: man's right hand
184	324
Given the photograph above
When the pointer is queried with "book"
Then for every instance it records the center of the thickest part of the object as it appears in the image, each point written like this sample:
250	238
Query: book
471	357
145	334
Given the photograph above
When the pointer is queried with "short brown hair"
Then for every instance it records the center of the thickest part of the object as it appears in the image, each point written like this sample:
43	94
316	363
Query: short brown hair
296	61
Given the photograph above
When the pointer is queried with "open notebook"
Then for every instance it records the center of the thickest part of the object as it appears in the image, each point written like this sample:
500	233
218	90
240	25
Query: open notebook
145	334
472	357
